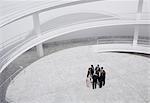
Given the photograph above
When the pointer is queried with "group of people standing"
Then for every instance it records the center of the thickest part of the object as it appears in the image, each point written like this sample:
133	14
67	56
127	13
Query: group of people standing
96	76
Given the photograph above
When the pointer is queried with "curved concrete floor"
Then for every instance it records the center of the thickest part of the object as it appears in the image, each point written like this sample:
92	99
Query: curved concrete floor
60	77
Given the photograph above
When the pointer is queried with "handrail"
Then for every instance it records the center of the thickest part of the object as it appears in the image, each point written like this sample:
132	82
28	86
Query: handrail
4	43
115	39
15	48
8	59
79	22
66	3
37	10
13	40
27	39
57	28
25	9
123	40
29	8
35	5
10	77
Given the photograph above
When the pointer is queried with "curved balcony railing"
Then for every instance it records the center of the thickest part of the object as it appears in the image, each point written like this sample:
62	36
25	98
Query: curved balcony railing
21	36
124	40
11	41
26	34
18	14
10	78
7	55
115	40
38	9
144	41
21	39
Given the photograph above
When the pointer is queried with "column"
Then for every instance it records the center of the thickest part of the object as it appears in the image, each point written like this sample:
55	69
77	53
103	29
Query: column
37	30
136	35
138	17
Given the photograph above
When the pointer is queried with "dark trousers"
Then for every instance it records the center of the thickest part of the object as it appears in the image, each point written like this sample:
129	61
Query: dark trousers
100	82
103	81
94	84
95	77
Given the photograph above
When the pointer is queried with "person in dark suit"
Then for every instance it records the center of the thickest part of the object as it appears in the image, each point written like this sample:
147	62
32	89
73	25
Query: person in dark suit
95	78
103	76
92	70
100	77
97	70
89	72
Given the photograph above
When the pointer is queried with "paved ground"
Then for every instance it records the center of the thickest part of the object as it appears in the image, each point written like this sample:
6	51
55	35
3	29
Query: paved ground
60	77
31	56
